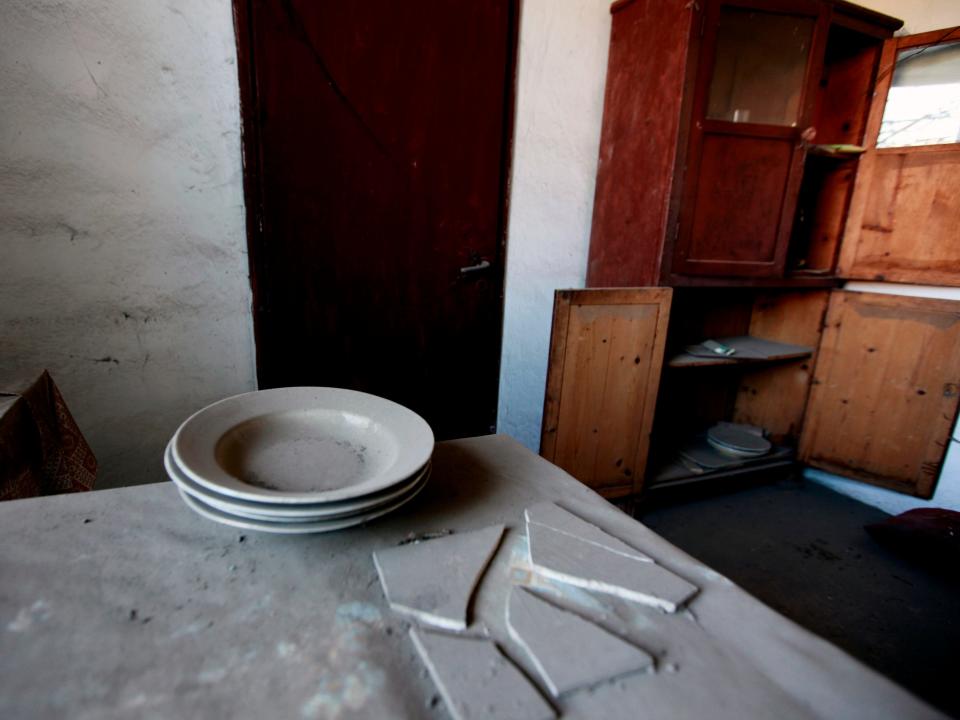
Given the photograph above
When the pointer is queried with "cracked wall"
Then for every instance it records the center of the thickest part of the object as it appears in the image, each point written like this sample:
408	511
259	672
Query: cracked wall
124	267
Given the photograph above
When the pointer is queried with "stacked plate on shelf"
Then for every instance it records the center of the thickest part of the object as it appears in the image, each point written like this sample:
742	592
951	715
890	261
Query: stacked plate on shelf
300	460
738	441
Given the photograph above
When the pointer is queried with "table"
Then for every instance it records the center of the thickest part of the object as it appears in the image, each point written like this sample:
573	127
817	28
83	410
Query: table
123	603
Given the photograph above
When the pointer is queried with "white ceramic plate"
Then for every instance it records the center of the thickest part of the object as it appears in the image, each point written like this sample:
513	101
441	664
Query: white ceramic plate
738	440
299	528
735	452
302	445
286	513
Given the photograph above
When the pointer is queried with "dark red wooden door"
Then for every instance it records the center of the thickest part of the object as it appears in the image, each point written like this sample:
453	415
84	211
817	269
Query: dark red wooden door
377	140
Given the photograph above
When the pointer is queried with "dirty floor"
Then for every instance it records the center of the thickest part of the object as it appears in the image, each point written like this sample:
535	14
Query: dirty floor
801	548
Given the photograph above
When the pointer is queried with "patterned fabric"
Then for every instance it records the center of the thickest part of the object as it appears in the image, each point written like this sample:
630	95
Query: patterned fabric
42	451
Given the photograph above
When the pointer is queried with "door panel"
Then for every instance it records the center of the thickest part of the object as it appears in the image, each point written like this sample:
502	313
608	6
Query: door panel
775	397
910	230
606	353
737	223
885	390
904	221
377	141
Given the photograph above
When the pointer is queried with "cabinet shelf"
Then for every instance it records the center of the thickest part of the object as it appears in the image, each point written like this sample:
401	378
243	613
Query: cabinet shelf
675	472
836	151
750	350
795	279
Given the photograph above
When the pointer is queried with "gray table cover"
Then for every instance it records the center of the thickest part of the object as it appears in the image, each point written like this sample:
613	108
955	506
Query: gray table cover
123	603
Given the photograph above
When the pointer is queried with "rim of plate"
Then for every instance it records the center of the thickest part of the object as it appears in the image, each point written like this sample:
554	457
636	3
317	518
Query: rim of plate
414	439
296	528
259	510
736	452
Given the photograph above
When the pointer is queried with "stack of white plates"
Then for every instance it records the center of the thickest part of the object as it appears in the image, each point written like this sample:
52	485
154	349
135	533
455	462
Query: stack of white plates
300	460
739	441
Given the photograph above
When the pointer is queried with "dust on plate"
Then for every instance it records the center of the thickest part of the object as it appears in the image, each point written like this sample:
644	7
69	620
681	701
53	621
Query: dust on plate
288	452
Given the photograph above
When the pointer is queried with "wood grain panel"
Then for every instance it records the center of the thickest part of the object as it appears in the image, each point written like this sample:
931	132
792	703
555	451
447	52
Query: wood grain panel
910	227
864	172
775	397
843	102
903	219
821	214
856	17
736	220
641	126
885	390
605	361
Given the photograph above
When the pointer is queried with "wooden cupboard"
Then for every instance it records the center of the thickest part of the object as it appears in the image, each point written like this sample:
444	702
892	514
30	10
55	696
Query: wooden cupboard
710	173
751	162
872	394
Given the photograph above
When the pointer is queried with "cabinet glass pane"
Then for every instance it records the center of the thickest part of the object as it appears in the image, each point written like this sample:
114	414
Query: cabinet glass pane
923	106
760	64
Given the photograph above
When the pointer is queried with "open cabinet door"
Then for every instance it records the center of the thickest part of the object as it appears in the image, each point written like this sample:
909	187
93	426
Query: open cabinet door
904	217
885	391
606	354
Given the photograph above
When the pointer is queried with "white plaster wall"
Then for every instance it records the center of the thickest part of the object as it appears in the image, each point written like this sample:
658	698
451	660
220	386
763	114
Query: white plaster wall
919	15
124	266
562	68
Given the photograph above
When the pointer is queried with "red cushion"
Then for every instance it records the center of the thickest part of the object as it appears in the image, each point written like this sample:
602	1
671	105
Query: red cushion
927	534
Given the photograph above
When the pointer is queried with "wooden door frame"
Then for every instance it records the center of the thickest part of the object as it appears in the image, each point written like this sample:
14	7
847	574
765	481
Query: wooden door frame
251	151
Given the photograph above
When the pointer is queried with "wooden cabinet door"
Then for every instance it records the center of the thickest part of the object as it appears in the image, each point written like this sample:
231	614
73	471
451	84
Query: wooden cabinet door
904	220
885	390
752	100
606	353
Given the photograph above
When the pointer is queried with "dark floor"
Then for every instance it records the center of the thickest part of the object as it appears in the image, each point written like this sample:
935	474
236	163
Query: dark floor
802	550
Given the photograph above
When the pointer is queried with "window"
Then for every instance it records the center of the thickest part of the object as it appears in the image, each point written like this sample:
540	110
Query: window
923	106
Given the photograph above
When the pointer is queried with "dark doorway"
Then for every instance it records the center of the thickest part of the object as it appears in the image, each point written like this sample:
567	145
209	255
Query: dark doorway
377	143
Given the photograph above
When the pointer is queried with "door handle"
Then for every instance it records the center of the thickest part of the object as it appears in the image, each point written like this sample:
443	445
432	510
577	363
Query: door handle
482	265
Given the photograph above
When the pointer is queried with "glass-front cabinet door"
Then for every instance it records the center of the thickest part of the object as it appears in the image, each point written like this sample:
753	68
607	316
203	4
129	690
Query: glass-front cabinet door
744	161
759	67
